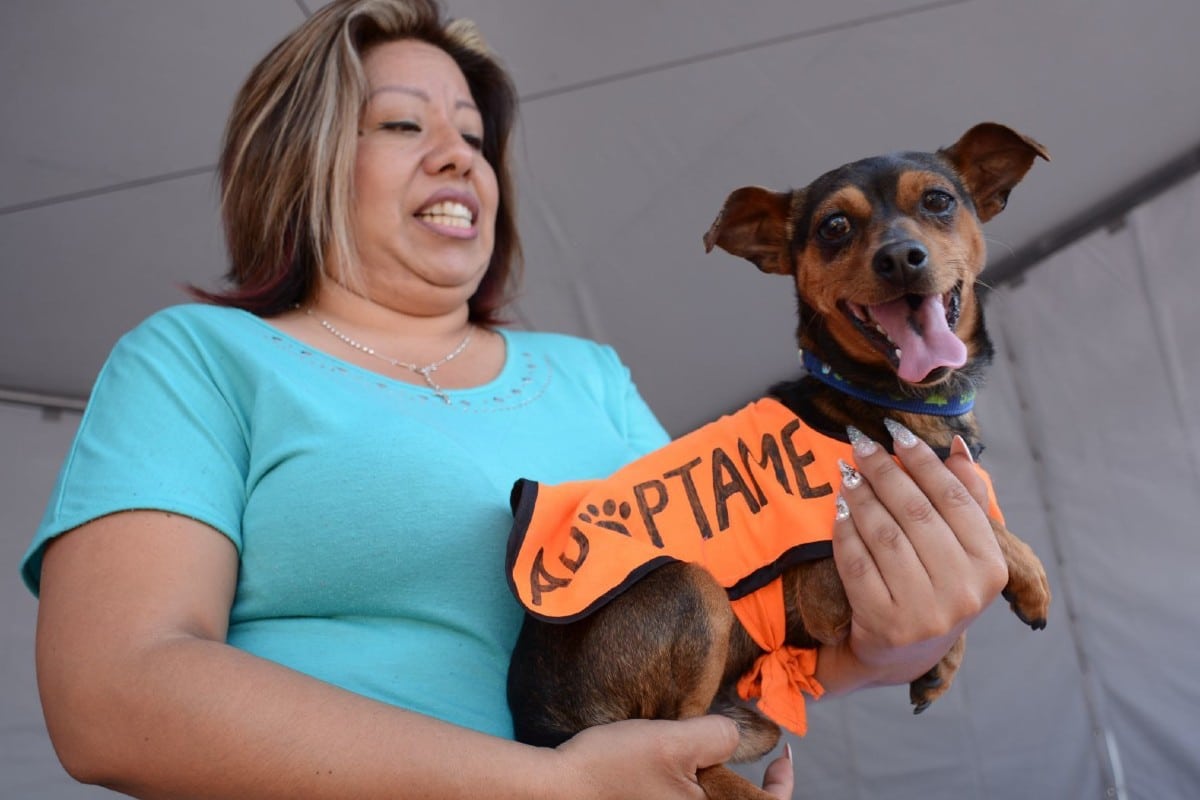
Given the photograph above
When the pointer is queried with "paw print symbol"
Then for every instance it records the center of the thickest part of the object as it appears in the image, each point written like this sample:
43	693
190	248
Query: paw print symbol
605	516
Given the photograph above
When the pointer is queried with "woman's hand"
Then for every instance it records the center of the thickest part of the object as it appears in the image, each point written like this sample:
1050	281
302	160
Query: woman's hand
918	559
657	759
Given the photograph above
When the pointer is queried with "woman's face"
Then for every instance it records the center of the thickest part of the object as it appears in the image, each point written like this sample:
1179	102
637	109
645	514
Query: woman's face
425	199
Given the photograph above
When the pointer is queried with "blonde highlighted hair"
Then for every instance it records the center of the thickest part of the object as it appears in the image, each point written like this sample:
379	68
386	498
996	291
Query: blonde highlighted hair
287	160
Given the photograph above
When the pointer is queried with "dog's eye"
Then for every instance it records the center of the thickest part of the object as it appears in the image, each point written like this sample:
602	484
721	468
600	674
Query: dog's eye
936	201
834	228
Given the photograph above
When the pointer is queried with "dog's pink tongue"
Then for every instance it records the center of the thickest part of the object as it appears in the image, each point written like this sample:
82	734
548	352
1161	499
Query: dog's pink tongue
925	340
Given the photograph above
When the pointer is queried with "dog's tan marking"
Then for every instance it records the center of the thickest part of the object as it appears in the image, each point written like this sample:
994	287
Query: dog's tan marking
913	185
824	278
848	200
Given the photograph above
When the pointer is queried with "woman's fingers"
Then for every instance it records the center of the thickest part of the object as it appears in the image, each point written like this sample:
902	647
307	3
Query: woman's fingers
970	577
962	464
915	550
947	503
927	501
873	544
647	758
779	779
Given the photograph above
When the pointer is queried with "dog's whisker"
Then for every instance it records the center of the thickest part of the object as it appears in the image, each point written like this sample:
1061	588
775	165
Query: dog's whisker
1008	248
986	285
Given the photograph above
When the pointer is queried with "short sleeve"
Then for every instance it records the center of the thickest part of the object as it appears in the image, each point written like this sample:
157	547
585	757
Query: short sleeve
162	430
629	410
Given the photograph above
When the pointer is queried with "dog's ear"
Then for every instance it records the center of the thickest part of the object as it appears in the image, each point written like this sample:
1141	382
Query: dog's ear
756	224
992	159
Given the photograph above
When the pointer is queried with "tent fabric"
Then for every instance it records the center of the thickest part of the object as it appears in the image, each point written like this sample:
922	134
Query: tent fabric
637	119
1099	341
1090	417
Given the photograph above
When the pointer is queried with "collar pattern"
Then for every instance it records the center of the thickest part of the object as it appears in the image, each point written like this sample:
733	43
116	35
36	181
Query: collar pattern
938	404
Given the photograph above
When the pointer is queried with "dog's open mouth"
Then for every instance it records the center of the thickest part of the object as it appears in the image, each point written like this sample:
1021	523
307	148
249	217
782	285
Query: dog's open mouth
915	332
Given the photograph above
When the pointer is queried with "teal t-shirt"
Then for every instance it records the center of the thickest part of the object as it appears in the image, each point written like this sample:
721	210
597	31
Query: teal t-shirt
370	516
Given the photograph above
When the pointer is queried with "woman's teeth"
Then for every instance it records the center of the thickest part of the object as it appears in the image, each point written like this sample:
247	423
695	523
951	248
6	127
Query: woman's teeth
454	215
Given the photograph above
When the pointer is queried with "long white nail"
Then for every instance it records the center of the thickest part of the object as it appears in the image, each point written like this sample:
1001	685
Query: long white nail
851	478
843	510
862	444
900	434
959	445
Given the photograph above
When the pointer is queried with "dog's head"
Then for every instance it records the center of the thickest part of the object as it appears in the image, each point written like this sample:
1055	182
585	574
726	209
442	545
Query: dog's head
885	251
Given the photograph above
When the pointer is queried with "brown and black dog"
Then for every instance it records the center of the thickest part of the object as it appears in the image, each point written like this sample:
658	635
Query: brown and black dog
885	254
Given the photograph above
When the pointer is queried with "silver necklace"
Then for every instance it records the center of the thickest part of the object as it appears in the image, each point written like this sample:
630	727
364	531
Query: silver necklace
425	372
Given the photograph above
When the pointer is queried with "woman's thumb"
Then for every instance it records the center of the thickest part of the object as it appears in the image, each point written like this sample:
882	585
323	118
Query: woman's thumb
711	739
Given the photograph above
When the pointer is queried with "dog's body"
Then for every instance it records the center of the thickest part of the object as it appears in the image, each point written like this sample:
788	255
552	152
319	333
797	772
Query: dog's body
884	253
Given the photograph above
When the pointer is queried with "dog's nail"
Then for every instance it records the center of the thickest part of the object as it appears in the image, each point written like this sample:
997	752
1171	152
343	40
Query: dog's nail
862	444
851	478
959	446
900	434
843	510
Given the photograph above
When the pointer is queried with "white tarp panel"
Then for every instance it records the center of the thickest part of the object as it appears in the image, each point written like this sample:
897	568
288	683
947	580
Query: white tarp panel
1090	417
1103	343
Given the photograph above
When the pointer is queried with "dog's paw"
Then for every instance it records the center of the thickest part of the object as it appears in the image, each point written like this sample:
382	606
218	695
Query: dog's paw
1028	588
1032	613
936	682
927	688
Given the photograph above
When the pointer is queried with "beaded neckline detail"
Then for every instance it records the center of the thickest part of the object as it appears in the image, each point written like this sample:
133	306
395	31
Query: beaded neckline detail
426	371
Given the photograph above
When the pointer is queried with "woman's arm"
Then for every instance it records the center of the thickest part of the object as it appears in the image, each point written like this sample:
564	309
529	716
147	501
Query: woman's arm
141	694
919	561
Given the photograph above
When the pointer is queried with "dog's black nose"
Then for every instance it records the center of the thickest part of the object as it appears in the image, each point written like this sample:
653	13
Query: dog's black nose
901	262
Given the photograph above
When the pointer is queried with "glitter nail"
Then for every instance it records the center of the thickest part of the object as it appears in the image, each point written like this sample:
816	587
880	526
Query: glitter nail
863	445
843	510
851	478
900	434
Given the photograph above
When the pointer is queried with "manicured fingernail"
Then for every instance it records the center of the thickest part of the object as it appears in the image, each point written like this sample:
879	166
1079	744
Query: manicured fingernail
851	478
959	446
862	444
787	750
900	434
843	510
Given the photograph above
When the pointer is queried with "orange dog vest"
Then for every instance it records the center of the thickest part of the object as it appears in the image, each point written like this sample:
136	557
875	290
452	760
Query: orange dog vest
745	496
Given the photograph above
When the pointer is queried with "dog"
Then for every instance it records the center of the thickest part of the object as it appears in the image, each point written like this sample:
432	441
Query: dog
884	253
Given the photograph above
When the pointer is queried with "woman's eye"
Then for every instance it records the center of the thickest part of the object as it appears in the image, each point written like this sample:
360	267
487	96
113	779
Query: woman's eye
834	228
473	140
936	201
406	126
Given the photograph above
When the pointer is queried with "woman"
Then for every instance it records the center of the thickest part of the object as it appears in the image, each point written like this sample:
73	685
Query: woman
272	566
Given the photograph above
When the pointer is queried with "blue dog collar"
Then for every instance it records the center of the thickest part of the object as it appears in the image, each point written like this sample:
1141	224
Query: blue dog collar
935	403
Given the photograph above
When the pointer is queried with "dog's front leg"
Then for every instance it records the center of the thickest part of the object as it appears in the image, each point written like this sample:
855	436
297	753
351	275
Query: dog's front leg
1028	588
815	590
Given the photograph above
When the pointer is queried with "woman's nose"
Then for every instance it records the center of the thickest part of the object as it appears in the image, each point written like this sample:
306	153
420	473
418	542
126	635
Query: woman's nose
449	152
